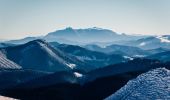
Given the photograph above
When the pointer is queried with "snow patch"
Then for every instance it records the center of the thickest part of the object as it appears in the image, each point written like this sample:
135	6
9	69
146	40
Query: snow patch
83	58
72	66
139	56
127	57
142	44
78	74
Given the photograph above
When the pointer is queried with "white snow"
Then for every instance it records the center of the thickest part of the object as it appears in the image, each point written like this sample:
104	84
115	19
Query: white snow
83	58
153	85
142	44
6	98
163	39
96	28
127	57
62	61
140	56
78	74
72	66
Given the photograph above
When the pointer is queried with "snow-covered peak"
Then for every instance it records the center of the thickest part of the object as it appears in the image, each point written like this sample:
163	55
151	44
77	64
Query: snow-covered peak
152	85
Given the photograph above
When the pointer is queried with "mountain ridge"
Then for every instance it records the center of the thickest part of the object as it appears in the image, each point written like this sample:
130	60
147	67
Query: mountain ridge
40	55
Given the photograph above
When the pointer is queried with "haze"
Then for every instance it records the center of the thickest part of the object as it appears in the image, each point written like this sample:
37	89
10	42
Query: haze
21	18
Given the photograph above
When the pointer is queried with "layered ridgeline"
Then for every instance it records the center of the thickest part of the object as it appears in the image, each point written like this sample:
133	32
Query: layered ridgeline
93	58
163	56
2	45
151	42
119	49
153	85
99	36
81	36
39	55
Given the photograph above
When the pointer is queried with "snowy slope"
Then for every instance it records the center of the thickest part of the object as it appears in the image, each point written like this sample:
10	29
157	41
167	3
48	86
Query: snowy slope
6	98
6	63
152	85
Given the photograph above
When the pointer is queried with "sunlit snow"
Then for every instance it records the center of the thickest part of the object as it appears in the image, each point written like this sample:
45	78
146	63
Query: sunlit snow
77	74
142	44
127	57
153	85
72	66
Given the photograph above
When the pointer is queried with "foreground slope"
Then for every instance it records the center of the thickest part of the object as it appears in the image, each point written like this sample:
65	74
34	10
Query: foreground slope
152	85
6	98
95	85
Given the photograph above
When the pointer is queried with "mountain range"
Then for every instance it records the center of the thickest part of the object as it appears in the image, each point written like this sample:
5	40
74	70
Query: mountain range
80	36
87	35
85	64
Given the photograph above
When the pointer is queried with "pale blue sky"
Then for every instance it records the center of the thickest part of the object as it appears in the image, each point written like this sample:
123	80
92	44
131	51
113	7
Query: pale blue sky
20	18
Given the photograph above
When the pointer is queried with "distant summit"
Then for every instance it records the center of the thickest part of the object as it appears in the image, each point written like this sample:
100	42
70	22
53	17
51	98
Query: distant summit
87	35
80	36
